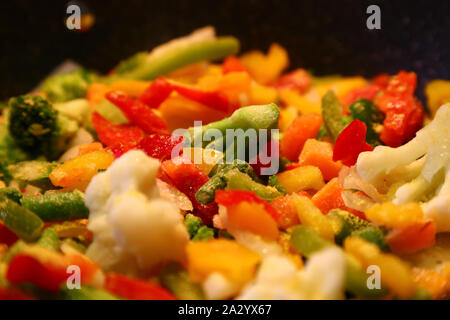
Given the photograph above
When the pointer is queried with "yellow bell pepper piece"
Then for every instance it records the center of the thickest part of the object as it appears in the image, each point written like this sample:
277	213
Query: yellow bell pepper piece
180	112
191	73
260	94
301	178
134	88
205	159
308	103
266	68
287	115
395	216
395	273
234	261
310	215
438	93
78	172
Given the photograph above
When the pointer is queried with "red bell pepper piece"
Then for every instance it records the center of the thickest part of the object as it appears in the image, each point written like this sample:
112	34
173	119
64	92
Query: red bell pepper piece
14	294
232	197
233	64
160	90
381	80
27	269
350	143
412	239
7	236
48	272
133	289
138	113
188	178
160	146
404	114
368	92
297	80
111	134
156	93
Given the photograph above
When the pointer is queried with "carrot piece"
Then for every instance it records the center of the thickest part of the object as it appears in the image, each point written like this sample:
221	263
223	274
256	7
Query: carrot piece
301	129
320	154
89	147
287	210
413	238
96	93
254	218
330	197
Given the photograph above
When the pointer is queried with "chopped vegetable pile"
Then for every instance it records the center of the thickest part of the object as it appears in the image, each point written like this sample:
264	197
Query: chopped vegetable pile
195	172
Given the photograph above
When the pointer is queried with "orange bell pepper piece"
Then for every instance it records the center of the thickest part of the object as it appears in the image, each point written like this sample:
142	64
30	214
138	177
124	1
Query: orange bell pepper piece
320	154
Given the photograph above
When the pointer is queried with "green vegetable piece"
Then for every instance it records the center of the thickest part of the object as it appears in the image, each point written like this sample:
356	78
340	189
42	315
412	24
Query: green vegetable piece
332	115
178	57
32	123
11	193
176	279
273	181
106	109
366	111
197	231
58	206
34	172
374	235
344	223
237	180
219	180
322	133
307	241
85	293
356	281
49	239
131	63
421	294
10	152
205	233
192	224
251	117
23	222
68	86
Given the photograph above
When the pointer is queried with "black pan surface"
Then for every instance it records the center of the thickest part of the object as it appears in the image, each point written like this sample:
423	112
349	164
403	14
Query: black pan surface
327	37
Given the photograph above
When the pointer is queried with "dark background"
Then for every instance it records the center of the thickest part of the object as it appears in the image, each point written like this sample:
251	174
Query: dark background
327	37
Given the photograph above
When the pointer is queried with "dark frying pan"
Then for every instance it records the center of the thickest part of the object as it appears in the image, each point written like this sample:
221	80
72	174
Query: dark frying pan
327	37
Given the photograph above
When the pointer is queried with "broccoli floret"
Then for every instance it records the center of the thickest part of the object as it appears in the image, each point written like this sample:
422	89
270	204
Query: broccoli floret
68	86
344	223
197	231
192	224
37	128
204	233
32	122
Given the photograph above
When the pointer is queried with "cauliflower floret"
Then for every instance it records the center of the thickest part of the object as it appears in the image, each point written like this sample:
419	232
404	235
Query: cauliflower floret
421	167
279	279
134	229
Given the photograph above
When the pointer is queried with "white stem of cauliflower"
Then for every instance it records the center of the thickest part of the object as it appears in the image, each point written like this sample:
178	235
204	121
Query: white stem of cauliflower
429	151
